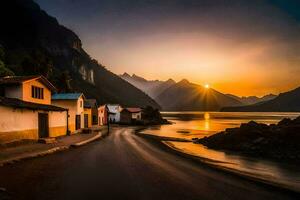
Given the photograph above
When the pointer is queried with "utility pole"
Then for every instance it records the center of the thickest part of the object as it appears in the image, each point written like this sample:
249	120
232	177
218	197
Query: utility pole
107	118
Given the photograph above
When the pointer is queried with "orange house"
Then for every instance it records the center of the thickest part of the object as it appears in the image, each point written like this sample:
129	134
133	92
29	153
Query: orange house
26	111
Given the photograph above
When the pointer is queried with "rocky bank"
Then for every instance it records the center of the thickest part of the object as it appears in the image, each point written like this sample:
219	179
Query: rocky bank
276	141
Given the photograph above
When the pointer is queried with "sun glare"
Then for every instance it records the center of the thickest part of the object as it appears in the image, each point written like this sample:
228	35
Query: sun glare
206	86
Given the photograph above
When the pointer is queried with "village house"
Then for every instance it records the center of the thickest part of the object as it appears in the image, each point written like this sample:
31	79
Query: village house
114	113
130	115
92	103
26	110
102	115
74	102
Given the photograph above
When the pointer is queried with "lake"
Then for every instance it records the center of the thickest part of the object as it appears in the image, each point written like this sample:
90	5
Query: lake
190	125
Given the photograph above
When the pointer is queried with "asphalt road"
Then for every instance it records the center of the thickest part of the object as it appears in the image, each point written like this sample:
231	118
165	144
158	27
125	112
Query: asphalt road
124	166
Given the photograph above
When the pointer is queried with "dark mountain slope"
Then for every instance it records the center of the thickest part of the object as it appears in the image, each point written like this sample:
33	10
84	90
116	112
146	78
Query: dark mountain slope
285	102
35	43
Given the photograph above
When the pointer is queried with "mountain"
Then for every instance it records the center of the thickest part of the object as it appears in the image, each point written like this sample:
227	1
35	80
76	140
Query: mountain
35	43
284	102
162	87
151	87
186	96
253	99
181	96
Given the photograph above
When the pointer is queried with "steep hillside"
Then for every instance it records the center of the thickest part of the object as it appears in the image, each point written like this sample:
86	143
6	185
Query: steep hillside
285	102
186	96
35	43
253	99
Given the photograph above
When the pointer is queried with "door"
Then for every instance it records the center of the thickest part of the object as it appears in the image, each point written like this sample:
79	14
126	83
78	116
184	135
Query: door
43	125
86	120
77	123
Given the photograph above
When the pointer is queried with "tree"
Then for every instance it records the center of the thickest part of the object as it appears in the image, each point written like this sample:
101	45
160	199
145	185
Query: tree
4	71
150	113
64	79
37	62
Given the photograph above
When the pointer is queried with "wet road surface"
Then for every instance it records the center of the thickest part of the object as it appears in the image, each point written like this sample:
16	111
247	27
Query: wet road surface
124	166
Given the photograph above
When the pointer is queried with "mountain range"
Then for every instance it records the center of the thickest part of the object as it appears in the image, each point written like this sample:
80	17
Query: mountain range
183	95
32	42
187	96
284	102
253	99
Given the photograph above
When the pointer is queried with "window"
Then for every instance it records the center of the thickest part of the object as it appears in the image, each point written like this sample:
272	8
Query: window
80	104
2	91
37	92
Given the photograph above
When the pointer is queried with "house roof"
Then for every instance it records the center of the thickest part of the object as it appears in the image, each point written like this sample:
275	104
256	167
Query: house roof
113	108
90	103
133	110
17	103
15	80
66	96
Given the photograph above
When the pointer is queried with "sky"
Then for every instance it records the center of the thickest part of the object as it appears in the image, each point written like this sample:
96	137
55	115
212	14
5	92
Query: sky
236	46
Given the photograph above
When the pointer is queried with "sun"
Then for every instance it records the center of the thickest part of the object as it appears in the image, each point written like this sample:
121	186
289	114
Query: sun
207	86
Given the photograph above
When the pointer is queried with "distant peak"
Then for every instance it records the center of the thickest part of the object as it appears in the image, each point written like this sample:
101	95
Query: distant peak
170	81
125	74
184	81
134	75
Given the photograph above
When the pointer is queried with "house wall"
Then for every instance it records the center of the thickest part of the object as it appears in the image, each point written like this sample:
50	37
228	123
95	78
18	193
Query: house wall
95	115
112	118
102	116
117	110
125	117
88	111
74	109
80	110
57	123
18	124
27	92
137	116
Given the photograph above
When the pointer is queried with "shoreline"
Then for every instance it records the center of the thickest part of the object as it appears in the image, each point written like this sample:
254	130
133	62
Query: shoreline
213	164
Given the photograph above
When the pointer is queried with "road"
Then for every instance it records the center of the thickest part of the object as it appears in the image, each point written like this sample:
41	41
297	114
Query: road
124	166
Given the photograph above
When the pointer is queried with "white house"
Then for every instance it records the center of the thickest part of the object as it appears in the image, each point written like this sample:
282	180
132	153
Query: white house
114	112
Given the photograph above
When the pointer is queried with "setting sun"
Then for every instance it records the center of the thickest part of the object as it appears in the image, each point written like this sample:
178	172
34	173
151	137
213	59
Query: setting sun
206	86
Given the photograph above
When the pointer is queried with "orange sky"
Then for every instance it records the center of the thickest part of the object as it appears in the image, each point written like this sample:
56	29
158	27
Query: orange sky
250	68
239	47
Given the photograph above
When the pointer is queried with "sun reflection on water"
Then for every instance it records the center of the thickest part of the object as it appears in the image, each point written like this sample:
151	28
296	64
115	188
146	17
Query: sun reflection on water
206	121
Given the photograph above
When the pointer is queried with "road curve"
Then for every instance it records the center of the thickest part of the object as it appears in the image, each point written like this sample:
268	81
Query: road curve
124	166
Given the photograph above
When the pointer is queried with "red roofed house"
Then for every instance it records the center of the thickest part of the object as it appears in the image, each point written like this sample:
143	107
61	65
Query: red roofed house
26	111
130	115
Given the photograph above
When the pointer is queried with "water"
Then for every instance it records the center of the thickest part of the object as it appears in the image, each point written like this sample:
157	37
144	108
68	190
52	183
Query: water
190	125
199	124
